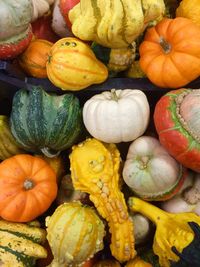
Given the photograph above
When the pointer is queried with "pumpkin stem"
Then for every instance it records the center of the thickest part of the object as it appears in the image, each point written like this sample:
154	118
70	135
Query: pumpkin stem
49	152
114	95
165	45
150	211
28	184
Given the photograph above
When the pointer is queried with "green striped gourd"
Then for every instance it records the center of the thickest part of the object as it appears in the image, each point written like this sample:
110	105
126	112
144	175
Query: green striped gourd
8	145
75	233
20	244
43	122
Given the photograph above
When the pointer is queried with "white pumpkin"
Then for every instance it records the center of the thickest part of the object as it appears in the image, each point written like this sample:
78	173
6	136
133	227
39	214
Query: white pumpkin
117	116
150	171
40	7
188	199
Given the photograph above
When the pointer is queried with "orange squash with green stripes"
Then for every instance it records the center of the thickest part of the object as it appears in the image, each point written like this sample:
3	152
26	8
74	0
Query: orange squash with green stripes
72	65
33	60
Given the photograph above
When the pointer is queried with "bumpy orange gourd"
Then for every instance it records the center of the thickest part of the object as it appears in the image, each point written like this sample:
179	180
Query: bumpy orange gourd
34	59
95	170
27	188
170	52
72	65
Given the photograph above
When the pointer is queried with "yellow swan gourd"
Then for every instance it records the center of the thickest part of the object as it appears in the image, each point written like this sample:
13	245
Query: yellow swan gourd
95	170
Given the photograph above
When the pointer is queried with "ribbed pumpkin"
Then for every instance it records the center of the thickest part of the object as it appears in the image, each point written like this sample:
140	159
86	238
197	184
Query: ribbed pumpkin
27	188
8	145
45	122
72	65
75	233
20	244
34	59
169	53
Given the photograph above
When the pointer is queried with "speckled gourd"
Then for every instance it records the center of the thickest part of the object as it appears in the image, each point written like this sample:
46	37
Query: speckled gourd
20	244
95	170
75	233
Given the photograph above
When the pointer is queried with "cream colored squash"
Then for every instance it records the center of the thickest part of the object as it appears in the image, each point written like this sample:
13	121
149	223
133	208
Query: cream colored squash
40	7
117	116
188	199
150	171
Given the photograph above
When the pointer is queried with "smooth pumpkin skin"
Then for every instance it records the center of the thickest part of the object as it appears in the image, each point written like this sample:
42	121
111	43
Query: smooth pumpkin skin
172	135
34	59
18	201
170	52
73	66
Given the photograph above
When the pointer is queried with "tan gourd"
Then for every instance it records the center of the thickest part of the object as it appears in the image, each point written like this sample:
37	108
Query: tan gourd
95	170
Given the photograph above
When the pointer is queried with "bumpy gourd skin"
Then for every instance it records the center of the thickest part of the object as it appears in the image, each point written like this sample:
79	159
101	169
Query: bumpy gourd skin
177	237
95	170
114	23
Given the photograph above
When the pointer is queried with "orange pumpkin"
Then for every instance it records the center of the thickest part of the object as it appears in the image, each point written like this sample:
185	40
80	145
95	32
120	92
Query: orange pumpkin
170	52
27	187
33	60
138	262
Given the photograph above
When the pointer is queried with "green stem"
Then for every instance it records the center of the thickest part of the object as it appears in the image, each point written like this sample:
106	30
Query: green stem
49	153
114	95
150	211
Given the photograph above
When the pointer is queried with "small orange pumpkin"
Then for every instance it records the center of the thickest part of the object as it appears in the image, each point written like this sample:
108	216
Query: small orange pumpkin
33	60
170	52
138	262
27	187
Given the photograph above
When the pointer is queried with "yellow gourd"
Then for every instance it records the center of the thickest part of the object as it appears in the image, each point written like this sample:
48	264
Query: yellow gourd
189	9
72	65
75	233
8	145
114	23
177	237
95	170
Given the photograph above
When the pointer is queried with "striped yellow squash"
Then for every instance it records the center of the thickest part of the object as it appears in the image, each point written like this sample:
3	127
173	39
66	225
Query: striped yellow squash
75	233
72	65
8	145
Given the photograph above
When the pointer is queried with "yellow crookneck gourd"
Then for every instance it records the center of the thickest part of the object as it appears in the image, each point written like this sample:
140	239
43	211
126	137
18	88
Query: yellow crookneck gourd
95	170
177	237
114	23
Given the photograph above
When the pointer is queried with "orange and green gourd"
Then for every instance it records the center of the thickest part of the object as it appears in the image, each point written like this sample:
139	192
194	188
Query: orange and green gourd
177	236
75	233
95	170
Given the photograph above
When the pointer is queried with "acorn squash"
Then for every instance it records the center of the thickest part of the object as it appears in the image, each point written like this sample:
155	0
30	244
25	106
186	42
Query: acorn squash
35	130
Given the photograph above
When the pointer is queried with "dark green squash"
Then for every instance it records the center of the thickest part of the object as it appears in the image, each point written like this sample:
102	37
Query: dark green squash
43	122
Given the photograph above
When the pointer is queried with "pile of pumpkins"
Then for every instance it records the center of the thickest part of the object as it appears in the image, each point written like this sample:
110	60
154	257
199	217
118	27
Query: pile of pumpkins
91	184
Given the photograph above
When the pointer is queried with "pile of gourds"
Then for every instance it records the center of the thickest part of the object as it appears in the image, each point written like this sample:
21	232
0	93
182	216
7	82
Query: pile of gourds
93	183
